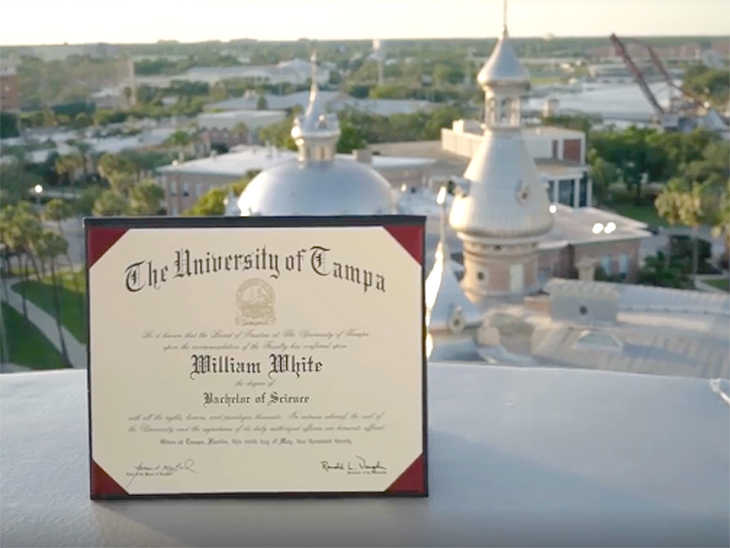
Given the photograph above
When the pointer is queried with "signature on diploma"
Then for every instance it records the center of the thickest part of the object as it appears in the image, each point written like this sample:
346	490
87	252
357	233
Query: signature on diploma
160	470
354	467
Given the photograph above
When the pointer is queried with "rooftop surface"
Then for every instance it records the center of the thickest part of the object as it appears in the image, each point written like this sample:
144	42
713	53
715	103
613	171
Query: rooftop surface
238	163
657	331
334	100
517	457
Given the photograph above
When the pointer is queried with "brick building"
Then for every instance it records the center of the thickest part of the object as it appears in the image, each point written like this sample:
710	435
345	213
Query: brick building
9	97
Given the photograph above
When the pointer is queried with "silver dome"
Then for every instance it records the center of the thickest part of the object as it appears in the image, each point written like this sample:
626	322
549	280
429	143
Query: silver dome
340	187
503	68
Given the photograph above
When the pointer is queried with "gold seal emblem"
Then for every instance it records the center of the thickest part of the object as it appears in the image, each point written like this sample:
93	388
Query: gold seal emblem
255	301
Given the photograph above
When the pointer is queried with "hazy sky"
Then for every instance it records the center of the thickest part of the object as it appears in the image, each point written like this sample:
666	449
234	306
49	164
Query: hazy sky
115	21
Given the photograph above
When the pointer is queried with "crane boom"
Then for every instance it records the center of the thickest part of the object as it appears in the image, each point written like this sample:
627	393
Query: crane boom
667	78
636	73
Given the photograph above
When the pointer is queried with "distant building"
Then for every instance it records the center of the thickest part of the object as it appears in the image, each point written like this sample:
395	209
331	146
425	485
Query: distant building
295	72
558	153
517	246
333	101
236	127
184	183
112	98
317	181
9	97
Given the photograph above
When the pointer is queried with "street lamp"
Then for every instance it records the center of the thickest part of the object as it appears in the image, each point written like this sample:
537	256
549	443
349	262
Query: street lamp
38	189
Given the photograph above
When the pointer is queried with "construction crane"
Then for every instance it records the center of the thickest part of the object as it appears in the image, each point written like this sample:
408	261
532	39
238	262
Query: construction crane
685	110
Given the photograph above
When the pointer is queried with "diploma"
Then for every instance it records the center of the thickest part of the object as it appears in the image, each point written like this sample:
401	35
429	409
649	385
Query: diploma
256	356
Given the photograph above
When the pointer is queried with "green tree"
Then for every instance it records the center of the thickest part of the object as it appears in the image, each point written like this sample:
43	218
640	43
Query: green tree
603	175
279	134
109	204
145	198
710	84
681	205
51	245
82	120
351	138
16	182
57	210
262	104
85	154
210	203
85	202
659	271
213	202
8	125
179	140
67	166
118	171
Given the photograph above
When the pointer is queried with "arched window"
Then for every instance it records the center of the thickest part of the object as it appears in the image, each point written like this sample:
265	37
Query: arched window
491	110
505	111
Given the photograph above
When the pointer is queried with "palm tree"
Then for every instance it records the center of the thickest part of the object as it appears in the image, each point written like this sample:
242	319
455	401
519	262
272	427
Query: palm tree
658	271
109	204
59	210
118	171
66	167
681	205
50	246
145	197
179	140
84	150
20	232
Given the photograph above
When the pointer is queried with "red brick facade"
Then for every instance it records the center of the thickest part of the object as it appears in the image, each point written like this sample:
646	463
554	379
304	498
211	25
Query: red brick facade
617	258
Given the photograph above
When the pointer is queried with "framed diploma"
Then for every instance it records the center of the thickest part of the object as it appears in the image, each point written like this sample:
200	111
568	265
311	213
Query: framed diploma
256	356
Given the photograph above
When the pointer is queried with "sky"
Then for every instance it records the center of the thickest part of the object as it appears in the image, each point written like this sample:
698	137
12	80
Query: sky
135	21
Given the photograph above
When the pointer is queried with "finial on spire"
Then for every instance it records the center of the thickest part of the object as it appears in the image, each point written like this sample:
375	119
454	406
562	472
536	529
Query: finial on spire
313	67
504	18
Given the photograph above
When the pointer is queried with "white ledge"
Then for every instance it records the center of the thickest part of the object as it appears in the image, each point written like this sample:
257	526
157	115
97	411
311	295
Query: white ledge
517	457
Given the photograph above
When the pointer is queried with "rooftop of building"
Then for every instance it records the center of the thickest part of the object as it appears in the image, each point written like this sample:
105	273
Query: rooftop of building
657	331
246	158
569	458
334	100
586	225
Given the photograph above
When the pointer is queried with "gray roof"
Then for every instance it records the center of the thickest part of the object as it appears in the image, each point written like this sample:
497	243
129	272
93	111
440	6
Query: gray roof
495	206
342	187
503	68
660	331
444	297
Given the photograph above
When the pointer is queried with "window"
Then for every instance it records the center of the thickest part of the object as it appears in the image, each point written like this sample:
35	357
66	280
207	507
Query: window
583	192
480	276
198	189
185	190
504	111
623	264
607	264
516	278
551	191
566	191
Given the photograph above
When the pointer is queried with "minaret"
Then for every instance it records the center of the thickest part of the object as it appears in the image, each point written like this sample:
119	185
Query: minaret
501	209
452	320
315	132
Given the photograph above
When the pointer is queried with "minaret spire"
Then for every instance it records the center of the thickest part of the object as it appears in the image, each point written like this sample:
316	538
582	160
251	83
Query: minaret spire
504	18
313	70
316	132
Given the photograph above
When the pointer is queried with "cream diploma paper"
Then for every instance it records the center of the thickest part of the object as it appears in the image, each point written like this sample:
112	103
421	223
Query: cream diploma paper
256	360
